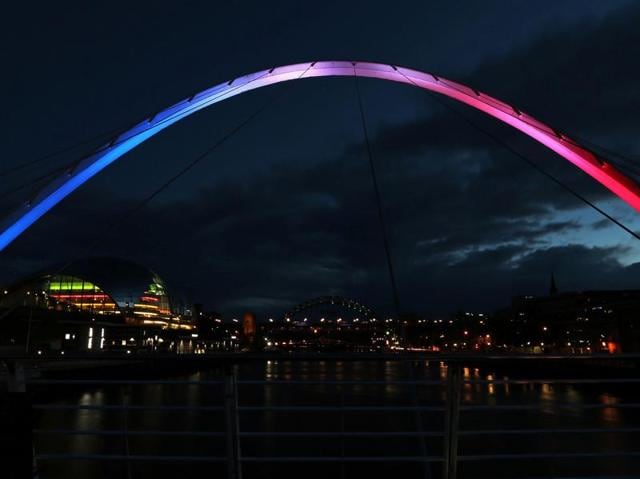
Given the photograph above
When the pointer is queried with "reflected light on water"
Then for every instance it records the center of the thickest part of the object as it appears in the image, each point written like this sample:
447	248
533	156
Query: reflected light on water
87	419
548	398
545	397
339	371
610	415
271	370
547	392
466	372
443	371
490	387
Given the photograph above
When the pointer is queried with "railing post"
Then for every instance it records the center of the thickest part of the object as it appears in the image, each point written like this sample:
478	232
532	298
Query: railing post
16	435
426	467
125	419
234	467
342	427
452	420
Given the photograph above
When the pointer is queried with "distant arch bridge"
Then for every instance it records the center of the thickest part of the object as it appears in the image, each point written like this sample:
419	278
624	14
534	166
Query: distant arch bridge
307	307
603	172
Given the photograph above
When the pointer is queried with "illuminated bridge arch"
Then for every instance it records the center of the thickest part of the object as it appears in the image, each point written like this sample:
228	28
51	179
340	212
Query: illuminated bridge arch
603	172
346	303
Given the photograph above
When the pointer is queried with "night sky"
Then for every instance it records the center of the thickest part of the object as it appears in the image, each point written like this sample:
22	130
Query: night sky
284	210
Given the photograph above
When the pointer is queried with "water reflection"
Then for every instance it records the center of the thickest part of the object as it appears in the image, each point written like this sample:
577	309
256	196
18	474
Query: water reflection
610	415
548	396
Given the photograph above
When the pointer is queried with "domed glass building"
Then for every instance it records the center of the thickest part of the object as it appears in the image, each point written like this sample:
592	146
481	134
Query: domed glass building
101	286
101	292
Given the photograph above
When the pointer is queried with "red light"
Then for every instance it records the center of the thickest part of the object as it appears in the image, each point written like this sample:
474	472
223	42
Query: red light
613	348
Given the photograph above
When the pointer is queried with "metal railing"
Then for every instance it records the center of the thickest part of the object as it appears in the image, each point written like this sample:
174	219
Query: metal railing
450	408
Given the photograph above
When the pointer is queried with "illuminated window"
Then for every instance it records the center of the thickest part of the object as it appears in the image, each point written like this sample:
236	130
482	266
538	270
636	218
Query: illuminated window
79	294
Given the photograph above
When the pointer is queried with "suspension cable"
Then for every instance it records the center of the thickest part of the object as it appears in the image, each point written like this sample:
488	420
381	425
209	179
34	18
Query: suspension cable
164	186
34	182
59	152
526	159
127	214
201	157
604	152
376	189
116	140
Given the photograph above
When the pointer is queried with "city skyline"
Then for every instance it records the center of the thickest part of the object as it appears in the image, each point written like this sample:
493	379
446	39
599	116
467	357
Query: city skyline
129	271
346	239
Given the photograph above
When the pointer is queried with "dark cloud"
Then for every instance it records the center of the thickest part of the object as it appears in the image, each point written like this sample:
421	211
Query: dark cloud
288	212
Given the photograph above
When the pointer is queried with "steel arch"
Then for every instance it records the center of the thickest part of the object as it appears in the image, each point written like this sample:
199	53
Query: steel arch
56	191
347	303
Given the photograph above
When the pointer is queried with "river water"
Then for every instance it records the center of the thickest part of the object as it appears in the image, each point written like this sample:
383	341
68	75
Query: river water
558	406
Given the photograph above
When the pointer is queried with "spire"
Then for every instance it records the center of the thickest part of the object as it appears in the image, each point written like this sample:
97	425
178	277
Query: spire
553	289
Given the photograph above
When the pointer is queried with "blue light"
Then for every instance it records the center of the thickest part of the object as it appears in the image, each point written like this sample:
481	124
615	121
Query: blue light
42	206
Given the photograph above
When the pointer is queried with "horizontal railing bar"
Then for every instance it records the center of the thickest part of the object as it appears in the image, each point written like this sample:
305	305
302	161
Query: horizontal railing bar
325	382
555	381
533	407
131	457
479	432
245	381
340	382
293	459
122	432
475	407
341	408
345	433
71	382
341	459
503	407
118	407
550	455
317	356
117	457
498	432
